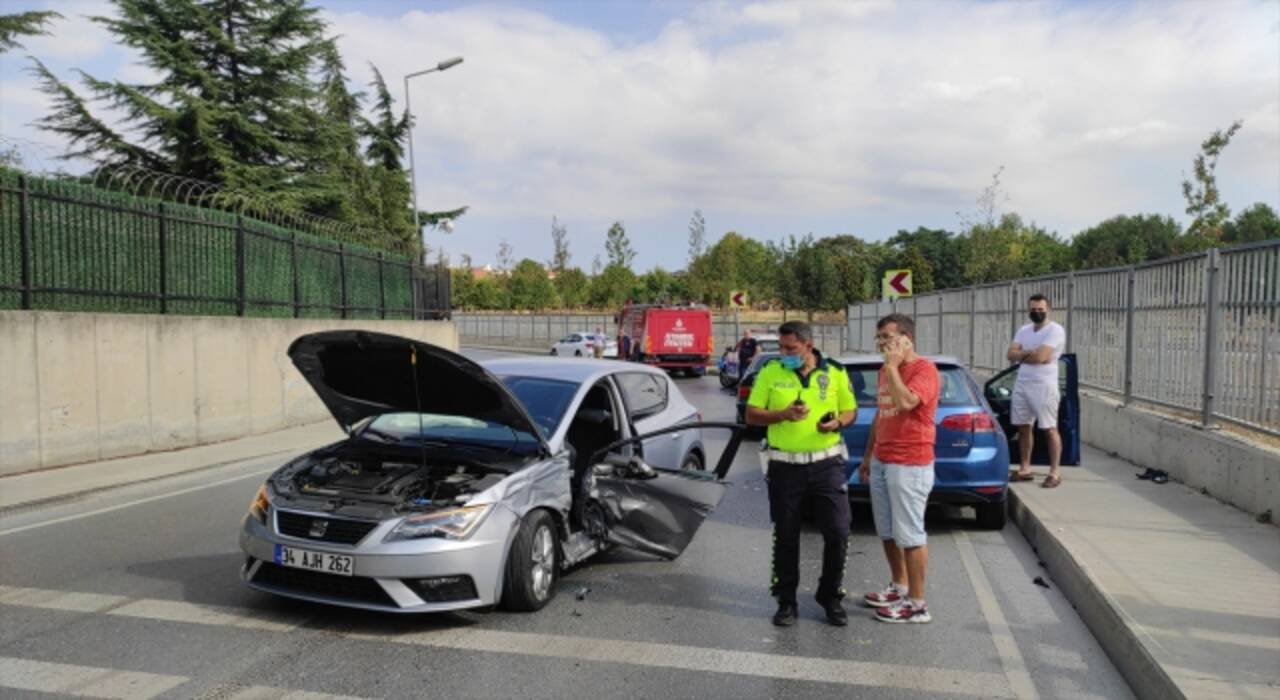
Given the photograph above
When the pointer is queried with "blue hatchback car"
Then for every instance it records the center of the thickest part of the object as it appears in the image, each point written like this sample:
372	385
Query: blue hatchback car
971	466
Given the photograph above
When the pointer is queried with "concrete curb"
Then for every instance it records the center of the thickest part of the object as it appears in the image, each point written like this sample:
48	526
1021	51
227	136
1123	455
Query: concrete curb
1146	677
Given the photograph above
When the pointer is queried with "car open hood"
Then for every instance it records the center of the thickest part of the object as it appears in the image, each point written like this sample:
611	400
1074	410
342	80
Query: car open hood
359	374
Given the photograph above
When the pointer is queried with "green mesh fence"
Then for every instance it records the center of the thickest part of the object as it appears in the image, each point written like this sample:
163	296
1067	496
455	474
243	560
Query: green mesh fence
92	249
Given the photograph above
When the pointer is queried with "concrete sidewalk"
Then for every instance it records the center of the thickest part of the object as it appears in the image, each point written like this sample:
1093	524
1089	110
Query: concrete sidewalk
65	482
1181	590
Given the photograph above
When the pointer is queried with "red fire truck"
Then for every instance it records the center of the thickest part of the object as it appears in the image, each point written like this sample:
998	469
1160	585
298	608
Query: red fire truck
677	338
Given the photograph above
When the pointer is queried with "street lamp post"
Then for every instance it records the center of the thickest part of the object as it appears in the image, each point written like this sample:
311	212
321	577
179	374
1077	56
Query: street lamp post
413	172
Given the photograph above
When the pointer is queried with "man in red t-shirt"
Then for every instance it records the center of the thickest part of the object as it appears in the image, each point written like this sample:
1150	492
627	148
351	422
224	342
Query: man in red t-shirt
898	468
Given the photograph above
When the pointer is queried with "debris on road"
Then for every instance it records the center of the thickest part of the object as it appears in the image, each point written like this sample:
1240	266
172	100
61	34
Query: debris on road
1039	581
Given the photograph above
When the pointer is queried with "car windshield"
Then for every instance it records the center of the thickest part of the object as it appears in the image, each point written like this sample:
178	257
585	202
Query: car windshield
955	389
545	399
769	346
448	430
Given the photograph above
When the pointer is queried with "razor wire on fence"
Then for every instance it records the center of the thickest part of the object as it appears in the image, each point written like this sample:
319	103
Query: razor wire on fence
131	240
1197	333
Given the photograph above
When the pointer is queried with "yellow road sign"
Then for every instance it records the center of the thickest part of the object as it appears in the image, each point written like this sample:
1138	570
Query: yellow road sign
738	299
896	283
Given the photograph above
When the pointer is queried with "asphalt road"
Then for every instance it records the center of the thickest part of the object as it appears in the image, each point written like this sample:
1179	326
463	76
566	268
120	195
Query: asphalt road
135	593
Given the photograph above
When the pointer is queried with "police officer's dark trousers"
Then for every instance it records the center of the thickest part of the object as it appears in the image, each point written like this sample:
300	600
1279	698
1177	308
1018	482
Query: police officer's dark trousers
821	488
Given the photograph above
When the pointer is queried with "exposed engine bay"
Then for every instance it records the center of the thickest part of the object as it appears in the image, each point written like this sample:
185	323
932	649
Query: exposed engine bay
381	482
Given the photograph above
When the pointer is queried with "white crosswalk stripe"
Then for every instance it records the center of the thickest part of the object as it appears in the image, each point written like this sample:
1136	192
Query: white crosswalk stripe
644	654
83	681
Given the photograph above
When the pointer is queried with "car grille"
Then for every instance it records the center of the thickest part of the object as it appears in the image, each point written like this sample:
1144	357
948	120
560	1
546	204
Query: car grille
352	588
337	530
443	589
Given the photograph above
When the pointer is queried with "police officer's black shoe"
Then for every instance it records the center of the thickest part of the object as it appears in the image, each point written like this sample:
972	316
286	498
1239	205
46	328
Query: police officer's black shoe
835	612
786	615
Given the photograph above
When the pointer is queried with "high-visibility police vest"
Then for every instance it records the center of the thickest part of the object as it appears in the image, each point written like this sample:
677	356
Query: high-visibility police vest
826	389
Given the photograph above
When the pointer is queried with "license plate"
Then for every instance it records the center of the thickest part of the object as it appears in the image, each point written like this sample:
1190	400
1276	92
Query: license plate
338	564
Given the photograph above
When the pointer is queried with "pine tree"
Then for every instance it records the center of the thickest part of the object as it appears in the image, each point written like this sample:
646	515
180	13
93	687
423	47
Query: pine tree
23	24
618	247
234	103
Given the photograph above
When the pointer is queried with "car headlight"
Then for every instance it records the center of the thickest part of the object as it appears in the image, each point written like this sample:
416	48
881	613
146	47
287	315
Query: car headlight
261	505
454	524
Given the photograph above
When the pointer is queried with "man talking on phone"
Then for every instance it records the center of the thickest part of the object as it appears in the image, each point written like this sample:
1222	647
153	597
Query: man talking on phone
805	400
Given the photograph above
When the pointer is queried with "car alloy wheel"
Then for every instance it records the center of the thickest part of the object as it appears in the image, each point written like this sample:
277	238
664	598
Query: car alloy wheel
532	565
692	463
542	571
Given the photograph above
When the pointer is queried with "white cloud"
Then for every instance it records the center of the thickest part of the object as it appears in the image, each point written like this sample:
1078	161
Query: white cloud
839	116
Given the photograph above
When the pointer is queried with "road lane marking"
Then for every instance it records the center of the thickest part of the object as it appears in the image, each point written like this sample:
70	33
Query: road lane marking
1015	668
83	681
644	654
138	502
150	609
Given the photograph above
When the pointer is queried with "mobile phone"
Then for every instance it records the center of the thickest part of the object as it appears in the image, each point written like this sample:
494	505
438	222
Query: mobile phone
828	417
798	402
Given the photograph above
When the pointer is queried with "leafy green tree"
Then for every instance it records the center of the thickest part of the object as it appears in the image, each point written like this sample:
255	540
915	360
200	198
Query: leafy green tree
23	24
491	294
810	280
617	246
560	246
1257	223
573	287
530	287
922	280
1203	199
657	285
940	248
733	263
463	288
1012	249
1125	240
611	288
858	266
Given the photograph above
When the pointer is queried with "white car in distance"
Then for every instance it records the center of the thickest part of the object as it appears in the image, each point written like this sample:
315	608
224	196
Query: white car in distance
583	344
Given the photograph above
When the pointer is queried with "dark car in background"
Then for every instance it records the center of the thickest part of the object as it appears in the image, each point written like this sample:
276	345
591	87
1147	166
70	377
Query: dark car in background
748	381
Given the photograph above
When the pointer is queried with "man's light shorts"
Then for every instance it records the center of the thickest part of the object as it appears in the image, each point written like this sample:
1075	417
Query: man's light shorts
1035	403
899	494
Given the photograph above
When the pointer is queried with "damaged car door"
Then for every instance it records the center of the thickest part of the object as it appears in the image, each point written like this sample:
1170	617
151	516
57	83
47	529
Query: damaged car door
653	509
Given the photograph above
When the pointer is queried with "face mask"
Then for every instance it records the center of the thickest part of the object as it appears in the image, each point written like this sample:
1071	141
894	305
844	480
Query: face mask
1037	316
792	361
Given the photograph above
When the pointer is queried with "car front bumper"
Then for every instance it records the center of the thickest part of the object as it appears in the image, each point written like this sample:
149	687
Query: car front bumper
408	576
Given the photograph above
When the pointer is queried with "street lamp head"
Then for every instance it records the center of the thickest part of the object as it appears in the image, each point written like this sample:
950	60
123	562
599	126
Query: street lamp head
447	225
449	63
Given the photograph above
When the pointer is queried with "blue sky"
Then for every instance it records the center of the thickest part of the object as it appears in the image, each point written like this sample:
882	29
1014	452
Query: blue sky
783	118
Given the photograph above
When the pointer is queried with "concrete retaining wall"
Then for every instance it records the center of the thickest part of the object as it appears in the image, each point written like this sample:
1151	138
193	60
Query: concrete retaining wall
86	387
1243	473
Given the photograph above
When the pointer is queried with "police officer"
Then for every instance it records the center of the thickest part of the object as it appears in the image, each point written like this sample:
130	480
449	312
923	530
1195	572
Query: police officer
805	399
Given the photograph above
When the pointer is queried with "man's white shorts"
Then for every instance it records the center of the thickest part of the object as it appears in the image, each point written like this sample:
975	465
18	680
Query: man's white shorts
1035	403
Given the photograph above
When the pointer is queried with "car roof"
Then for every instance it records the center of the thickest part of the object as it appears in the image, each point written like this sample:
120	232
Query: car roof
578	370
869	359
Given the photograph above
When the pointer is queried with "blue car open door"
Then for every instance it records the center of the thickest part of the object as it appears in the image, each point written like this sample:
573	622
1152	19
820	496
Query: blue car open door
999	393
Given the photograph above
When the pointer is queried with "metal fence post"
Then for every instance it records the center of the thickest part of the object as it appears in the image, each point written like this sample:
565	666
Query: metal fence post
1013	309
973	323
940	323
382	290
163	241
1071	302
342	280
24	226
1128	336
240	265
1213	323
293	262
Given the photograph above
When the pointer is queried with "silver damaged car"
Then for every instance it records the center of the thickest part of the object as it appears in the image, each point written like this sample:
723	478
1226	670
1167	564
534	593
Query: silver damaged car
463	485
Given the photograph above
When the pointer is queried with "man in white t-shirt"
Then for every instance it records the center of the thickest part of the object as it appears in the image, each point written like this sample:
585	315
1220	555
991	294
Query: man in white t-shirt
1036	348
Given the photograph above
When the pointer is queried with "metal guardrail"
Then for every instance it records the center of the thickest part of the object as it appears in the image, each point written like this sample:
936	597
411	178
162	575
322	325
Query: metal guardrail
1197	333
541	330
